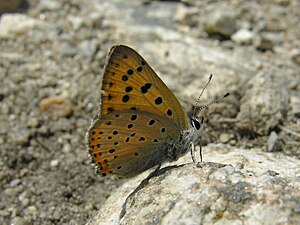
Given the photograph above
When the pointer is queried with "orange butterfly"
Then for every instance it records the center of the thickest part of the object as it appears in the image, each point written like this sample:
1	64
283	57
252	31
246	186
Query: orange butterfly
141	123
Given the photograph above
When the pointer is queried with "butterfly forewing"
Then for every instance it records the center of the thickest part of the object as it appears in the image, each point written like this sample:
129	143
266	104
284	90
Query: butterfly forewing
139	119
126	143
130	83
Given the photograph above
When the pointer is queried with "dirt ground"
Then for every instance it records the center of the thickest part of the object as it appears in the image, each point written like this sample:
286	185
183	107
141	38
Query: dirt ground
52	54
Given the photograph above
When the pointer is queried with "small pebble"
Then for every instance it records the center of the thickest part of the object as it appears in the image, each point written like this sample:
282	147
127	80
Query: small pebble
49	5
13	25
88	48
33	122
32	209
54	163
66	148
15	182
19	221
225	137
89	207
186	15
76	21
296	56
12	192
264	42
56	106
295	104
274	142
67	50
25	202
243	36
221	23
21	136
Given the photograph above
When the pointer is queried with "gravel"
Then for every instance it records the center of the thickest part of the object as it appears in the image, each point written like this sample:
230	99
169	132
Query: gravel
56	50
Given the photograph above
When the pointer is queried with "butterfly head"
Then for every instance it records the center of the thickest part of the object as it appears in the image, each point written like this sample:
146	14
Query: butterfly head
190	138
195	129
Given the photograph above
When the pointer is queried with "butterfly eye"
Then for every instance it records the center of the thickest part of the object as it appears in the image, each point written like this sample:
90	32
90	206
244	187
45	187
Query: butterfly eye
196	123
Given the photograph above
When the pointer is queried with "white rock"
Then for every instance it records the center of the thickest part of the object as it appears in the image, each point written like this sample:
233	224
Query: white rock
49	5
186	15
76	21
221	22
243	36
66	148
88	48
12	25
54	163
225	137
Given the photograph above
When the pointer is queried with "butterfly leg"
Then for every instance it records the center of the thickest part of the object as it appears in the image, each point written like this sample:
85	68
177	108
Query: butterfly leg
141	185
192	147
200	152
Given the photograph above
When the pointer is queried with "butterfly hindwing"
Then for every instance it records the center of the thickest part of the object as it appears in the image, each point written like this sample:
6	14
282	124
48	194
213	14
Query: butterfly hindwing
125	143
130	83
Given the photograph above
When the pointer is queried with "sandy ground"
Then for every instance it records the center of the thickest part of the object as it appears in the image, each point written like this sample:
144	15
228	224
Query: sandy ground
55	50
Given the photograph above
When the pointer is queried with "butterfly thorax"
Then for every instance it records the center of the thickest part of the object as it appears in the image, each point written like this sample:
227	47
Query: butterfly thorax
188	139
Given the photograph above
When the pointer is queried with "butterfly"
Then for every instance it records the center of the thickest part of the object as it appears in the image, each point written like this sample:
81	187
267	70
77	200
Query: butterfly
141	124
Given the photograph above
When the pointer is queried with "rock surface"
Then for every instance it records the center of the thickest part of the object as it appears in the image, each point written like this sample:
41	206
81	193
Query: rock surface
242	187
58	48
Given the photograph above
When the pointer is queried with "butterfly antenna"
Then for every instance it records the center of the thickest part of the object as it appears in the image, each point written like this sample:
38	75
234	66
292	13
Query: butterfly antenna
196	105
213	102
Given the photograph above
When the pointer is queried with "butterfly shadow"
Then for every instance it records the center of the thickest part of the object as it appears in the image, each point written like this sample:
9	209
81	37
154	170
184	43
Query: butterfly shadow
157	172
